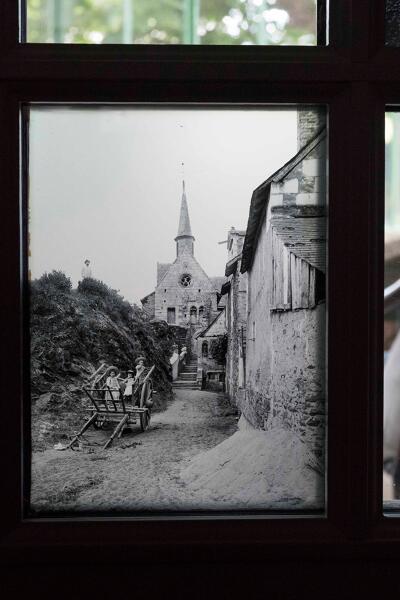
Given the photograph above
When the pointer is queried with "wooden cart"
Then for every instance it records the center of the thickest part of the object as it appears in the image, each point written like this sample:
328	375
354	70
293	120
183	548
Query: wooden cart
112	407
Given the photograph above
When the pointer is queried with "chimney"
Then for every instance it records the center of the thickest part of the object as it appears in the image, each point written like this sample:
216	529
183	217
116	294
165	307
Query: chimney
310	120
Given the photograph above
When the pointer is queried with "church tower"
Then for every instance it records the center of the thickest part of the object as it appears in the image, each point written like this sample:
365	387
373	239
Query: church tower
184	294
184	240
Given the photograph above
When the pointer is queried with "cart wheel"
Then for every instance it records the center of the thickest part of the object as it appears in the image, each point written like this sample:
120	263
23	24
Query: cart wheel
144	420
145	399
99	422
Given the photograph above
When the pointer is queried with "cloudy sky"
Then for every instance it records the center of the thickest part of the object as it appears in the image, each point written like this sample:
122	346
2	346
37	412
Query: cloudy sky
106	184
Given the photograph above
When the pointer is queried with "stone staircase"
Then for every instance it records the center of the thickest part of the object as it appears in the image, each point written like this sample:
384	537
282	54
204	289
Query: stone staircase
187	377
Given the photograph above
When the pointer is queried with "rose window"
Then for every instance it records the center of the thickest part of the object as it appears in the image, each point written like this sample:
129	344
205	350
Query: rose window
186	280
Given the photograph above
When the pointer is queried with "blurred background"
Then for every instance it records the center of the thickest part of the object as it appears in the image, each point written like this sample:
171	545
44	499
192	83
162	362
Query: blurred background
391	454
392	222
230	22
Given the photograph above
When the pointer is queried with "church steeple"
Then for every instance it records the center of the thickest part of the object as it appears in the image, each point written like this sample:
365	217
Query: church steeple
184	239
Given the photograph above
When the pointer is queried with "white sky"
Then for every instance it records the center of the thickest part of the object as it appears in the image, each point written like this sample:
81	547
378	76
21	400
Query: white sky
106	184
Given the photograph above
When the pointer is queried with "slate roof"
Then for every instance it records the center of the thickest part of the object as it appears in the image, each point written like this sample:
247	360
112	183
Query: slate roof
162	268
146	297
217	282
304	236
260	199
225	288
184	229
220	315
231	265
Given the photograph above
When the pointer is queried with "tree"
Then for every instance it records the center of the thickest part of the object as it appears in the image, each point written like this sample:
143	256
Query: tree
169	22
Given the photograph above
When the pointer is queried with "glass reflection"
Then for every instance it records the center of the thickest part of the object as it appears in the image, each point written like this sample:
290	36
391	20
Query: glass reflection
227	22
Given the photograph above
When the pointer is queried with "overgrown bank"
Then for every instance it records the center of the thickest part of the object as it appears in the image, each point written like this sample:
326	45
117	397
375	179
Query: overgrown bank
73	331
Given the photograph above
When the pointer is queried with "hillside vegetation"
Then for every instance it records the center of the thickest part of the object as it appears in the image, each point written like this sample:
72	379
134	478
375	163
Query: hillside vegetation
73	331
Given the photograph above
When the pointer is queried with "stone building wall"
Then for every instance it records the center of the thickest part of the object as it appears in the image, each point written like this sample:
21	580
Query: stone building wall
170	293
206	363
305	184
285	370
236	326
310	120
236	317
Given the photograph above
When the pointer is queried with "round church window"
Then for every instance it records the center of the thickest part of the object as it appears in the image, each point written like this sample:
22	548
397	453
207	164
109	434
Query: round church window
186	280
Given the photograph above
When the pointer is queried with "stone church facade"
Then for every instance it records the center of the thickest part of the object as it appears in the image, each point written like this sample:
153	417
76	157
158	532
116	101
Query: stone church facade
184	295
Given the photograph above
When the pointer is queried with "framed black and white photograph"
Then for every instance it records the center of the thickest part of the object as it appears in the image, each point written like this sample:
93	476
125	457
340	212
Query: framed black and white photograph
178	344
200	297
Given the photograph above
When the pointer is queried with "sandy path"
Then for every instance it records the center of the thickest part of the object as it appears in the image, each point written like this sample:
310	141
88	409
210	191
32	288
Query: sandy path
142	470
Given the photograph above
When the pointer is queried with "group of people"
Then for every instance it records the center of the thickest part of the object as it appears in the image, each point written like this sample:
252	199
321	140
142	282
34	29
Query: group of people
130	385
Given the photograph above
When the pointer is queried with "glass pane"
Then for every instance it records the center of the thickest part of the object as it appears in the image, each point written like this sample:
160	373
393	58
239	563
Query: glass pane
191	240
391	492
284	22
392	33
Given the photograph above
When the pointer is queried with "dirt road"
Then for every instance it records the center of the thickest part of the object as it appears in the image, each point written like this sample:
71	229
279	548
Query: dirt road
141	471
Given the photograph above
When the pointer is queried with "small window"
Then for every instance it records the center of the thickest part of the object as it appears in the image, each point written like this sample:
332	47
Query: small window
201	312
204	349
171	318
193	314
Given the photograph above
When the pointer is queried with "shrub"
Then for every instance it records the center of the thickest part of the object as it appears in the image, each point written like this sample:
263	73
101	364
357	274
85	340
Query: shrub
219	348
93	287
56	280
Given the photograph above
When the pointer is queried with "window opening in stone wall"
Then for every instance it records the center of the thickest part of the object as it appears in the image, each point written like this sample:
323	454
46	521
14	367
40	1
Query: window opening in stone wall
254	338
186	280
171	318
205	22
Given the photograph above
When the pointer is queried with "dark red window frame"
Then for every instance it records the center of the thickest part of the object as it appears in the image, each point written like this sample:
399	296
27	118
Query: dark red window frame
355	76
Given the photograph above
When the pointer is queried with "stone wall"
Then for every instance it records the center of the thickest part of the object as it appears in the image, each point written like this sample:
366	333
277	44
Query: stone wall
310	120
285	362
285	367
171	294
236	322
305	184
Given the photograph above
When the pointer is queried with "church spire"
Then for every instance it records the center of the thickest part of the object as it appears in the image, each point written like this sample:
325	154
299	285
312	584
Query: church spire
184	239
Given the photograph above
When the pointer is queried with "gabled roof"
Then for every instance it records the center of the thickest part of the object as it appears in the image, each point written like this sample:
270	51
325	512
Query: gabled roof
260	199
219	316
303	233
162	269
217	282
146	297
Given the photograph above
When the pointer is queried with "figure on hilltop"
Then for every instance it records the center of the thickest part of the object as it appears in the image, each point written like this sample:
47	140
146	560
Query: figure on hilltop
86	270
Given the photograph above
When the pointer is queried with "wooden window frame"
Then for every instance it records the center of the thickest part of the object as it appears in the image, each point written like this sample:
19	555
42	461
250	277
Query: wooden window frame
355	76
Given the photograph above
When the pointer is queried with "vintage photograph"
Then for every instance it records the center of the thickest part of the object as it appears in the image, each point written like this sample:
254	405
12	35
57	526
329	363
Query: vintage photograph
177	300
391	332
